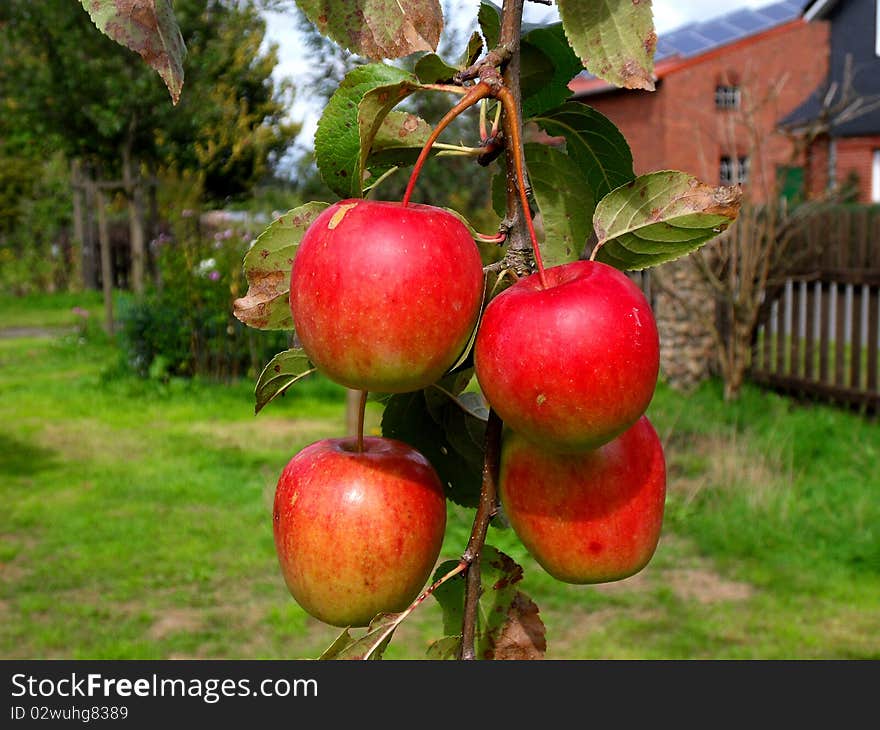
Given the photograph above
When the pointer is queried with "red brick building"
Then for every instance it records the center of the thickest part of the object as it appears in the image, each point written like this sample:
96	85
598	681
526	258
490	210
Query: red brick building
722	86
845	108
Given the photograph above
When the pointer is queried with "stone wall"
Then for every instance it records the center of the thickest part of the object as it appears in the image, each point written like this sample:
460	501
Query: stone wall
687	348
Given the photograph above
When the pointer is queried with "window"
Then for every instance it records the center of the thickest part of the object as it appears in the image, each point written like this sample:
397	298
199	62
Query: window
875	178
734	170
727	96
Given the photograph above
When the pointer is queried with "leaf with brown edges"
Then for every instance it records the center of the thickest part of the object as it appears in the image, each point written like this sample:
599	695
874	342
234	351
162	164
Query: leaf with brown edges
266	306
147	27
522	635
660	217
282	371
614	38
378	29
369	646
508	624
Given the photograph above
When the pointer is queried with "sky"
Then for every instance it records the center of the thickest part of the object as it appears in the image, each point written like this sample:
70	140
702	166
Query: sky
668	14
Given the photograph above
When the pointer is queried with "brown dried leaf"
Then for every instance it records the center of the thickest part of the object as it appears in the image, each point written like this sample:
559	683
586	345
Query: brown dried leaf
522	636
260	305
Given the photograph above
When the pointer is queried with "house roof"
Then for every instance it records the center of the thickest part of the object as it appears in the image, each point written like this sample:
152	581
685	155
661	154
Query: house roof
696	39
818	9
837	108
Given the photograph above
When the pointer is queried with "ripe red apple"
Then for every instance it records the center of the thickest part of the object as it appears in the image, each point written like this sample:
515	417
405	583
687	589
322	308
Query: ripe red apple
357	533
385	297
590	517
572	365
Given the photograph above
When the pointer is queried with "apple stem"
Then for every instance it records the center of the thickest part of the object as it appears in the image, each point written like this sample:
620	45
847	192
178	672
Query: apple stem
471	97
498	238
450	88
496	120
504	96
362	409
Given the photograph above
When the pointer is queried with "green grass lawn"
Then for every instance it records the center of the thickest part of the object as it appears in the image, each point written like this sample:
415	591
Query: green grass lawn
136	522
51	310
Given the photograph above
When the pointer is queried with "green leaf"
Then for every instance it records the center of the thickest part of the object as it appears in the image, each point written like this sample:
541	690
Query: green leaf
267	265
378	29
489	18
369	646
547	61
450	596
508	624
564	200
398	141
548	65
373	115
660	217
593	142
614	38
283	370
340	643
432	69
445	648
446	429
148	28
473	51
338	138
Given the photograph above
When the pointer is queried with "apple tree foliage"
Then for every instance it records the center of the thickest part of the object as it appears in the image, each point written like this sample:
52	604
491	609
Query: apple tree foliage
590	201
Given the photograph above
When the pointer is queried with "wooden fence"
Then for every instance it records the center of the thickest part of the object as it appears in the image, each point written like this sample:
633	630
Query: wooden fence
821	332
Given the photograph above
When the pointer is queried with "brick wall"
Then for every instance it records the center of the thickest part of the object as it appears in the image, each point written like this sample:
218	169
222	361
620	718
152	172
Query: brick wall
816	167
678	126
855	157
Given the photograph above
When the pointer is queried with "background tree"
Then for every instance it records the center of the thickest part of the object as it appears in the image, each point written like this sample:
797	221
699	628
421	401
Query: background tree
71	87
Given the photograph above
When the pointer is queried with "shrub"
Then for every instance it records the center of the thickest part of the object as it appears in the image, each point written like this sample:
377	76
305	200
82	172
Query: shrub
183	326
36	251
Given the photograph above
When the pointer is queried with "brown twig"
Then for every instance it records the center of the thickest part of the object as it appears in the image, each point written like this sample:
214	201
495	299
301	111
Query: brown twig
471	556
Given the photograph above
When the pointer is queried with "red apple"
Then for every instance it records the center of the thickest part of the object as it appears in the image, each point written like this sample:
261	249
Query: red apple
591	517
357	533
384	296
572	365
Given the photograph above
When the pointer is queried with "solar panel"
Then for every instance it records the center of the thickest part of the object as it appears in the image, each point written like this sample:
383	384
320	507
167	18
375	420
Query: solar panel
664	49
687	42
781	12
748	20
719	32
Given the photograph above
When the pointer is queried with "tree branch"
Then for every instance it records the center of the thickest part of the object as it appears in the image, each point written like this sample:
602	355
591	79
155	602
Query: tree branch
471	555
517	240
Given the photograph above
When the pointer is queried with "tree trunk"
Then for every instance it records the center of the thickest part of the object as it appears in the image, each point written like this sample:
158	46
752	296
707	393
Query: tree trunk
137	235
106	260
153	208
739	356
83	203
